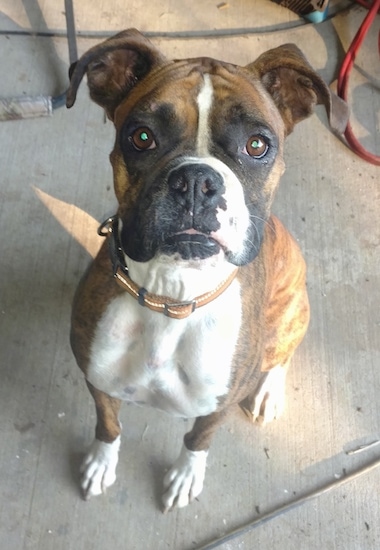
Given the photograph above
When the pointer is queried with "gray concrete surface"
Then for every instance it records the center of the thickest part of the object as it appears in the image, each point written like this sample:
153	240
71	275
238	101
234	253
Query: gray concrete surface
55	186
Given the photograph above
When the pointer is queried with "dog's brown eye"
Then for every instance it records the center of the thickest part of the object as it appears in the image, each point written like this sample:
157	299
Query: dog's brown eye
143	139
256	147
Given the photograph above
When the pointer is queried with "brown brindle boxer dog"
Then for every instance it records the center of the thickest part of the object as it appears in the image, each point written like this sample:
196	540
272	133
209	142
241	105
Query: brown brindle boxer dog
197	300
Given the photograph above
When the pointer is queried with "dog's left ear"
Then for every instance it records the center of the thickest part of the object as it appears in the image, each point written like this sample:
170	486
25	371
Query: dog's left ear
113	68
296	88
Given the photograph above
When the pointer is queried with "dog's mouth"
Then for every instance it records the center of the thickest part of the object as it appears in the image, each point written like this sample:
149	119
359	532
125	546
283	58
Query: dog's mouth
191	244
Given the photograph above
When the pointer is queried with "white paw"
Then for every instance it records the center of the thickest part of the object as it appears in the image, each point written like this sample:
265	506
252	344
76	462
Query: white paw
269	401
99	467
184	481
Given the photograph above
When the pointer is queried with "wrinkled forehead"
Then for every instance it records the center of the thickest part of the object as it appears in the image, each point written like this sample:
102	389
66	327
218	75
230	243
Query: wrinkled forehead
187	88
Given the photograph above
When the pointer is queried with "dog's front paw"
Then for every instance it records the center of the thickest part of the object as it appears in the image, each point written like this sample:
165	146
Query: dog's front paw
99	467
268	402
184	480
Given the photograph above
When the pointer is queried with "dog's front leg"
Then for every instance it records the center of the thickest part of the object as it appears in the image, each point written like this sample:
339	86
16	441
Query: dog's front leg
184	481
99	465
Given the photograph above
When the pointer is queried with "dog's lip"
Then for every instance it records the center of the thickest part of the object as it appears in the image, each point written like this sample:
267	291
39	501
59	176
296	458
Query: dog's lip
193	234
191	231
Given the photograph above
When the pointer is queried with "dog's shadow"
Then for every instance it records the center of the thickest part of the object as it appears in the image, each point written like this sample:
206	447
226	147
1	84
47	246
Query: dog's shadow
158	469
74	462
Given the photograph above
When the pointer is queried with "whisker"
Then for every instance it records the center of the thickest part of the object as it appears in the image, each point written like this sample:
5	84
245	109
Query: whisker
257	231
267	222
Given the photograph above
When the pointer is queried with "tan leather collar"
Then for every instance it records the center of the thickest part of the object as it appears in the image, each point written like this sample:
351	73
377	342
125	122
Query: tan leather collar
162	304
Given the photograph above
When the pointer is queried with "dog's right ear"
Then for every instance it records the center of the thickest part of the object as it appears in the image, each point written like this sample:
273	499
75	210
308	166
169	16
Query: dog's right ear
296	88
113	68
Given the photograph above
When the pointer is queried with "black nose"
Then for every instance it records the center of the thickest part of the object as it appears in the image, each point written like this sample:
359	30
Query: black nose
196	186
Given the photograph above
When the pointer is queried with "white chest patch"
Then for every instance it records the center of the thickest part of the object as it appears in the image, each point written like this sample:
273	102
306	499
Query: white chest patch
179	366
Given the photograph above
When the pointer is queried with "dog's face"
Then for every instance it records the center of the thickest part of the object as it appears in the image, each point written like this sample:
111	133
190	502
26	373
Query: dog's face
199	143
199	151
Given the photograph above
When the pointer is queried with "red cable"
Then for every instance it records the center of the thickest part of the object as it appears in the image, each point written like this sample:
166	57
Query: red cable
344	77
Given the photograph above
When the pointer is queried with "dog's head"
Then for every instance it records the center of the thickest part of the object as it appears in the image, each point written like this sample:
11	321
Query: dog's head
199	142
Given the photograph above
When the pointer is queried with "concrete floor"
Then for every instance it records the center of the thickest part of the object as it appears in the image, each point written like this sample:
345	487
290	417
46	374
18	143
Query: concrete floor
55	186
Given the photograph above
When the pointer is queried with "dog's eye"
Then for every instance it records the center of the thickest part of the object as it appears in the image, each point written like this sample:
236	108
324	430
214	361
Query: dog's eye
256	147
143	139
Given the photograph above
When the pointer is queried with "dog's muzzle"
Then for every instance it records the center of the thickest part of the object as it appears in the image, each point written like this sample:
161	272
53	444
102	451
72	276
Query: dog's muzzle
196	187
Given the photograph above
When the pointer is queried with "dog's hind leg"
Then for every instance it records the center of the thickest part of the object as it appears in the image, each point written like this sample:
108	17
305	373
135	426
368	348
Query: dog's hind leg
99	465
268	400
286	321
